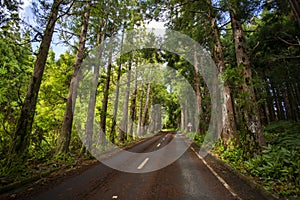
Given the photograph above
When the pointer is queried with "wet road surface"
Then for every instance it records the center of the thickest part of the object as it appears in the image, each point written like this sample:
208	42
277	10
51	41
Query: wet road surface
188	178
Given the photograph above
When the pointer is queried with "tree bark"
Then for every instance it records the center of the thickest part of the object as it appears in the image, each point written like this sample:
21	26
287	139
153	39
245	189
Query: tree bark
186	115
278	102
21	138
297	99
116	103
200	130
89	128
145	109
133	107
124	122
139	131
182	119
296	9
64	138
270	99
251	113
105	97
229	130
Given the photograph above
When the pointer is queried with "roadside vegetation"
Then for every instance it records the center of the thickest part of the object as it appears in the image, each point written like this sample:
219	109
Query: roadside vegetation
277	167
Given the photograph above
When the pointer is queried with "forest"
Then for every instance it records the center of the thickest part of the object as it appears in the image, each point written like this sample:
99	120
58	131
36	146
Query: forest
51	118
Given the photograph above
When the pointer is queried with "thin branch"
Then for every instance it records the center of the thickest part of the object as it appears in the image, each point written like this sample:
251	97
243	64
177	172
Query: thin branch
255	46
67	11
68	32
225	24
32	27
286	42
288	57
194	11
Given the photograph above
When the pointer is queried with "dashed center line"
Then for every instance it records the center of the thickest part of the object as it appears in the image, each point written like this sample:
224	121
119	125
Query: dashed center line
158	145
143	163
114	197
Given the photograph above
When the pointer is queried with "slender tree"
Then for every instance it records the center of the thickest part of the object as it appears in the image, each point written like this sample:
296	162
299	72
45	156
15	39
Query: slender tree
24	126
123	129
295	6
101	35
145	109
133	106
64	138
106	92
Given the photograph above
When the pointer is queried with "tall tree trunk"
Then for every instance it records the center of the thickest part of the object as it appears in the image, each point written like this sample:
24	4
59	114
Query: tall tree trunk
133	107
89	128
200	130
124	122
116	102
182	120
105	96
186	115
278	102
292	100
270	99
287	103
145	109
251	113
296	93
21	137
139	131
64	138
296	9
229	126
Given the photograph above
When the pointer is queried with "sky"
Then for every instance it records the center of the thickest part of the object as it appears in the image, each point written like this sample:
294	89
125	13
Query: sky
26	13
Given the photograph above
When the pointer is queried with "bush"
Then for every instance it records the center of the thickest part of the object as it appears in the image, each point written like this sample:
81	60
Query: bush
278	165
284	134
278	168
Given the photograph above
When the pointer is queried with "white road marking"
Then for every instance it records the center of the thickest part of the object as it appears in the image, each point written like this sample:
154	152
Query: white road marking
158	145
114	197
143	163
218	177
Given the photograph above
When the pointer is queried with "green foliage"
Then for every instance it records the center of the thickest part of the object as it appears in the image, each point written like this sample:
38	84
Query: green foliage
197	138
9	11
67	159
284	134
278	168
15	70
278	165
232	154
13	168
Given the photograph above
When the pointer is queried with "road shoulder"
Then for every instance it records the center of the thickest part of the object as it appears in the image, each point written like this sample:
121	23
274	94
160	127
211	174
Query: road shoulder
245	187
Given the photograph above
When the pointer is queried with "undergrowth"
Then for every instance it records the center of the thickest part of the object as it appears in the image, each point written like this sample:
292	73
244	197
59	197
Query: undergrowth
277	167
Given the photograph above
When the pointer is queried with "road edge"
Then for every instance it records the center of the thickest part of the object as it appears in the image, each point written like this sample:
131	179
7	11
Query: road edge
23	184
249	180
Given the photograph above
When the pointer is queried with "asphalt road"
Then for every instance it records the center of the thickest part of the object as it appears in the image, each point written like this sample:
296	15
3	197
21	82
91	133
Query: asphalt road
188	178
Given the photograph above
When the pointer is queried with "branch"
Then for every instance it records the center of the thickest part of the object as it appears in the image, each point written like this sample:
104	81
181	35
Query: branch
286	42
288	57
225	24
67	11
194	11
255	46
32	27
